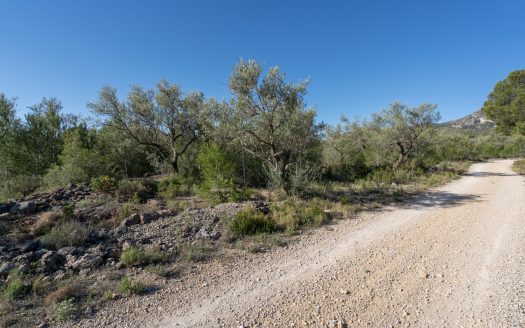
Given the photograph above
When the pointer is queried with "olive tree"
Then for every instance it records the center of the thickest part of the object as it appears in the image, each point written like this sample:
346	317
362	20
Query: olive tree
270	118
164	120
404	128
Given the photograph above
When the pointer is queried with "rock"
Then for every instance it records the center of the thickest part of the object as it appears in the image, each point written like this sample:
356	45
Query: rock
5	208
24	208
69	250
424	274
24	268
344	291
146	218
126	245
84	272
87	261
5	268
59	275
51	261
28	246
26	258
132	220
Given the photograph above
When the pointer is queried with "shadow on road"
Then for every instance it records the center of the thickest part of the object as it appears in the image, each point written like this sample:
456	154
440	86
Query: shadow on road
489	174
441	199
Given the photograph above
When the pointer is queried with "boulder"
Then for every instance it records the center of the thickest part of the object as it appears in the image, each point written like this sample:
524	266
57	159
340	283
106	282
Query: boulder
5	268
24	208
131	220
146	218
51	261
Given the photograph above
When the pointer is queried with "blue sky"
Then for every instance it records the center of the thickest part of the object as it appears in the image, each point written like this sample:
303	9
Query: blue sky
359	55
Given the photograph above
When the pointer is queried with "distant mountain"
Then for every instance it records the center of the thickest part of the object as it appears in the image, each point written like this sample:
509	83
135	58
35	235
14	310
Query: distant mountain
474	121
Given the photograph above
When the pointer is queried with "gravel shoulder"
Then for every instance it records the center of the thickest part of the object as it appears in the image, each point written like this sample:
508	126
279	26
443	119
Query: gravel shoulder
452	257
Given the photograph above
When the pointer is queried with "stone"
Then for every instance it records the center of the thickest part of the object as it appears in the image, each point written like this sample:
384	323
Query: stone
146	218
5	268
51	261
24	207
131	220
86	261
28	246
69	250
25	258
126	245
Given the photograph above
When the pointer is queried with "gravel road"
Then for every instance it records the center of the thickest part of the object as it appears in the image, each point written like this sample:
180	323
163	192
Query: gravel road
453	257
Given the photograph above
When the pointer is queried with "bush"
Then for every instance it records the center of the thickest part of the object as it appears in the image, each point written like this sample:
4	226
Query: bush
159	270
16	287
104	184
292	215
68	233
134	256
139	189
217	173
70	289
250	222
196	252
176	186
65	310
519	166
130	287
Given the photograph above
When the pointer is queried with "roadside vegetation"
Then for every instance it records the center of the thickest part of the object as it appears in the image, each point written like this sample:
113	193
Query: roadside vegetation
165	151
519	166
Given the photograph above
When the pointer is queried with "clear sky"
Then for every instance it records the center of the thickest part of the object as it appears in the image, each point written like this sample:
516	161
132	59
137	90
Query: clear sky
359	55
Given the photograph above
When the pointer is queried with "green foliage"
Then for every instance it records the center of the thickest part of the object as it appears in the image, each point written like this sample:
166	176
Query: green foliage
16	286
135	256
196	251
138	190
66	310
67	233
104	184
268	118
506	103
519	166
292	215
176	186
130	287
160	270
217	173
125	211
250	221
80	160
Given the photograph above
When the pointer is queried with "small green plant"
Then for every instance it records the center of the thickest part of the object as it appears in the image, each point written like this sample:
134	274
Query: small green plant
159	270
104	184
68	233
130	287
196	252
125	211
16	286
65	310
135	256
250	222
292	215
138	190
68	211
108	295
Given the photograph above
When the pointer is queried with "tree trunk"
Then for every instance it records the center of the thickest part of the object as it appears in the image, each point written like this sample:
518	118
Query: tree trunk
175	164
399	161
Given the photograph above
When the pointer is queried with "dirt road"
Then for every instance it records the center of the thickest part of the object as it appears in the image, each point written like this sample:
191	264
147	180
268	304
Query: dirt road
454	257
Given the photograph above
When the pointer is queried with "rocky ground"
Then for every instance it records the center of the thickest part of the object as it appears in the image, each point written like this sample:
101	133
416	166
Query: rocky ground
450	258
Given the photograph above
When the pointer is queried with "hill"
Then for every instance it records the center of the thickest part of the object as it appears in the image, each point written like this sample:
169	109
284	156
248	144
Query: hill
475	121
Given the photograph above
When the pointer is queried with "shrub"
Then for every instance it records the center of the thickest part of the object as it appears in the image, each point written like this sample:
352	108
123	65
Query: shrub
159	270
125	211
217	173
68	290
134	256
176	186
196	252
65	310
292	215
250	222
519	166
68	233
16	287
130	287
139	189
104	184
45	222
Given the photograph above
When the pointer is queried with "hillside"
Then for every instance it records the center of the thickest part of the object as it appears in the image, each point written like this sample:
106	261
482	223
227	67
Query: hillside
475	121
